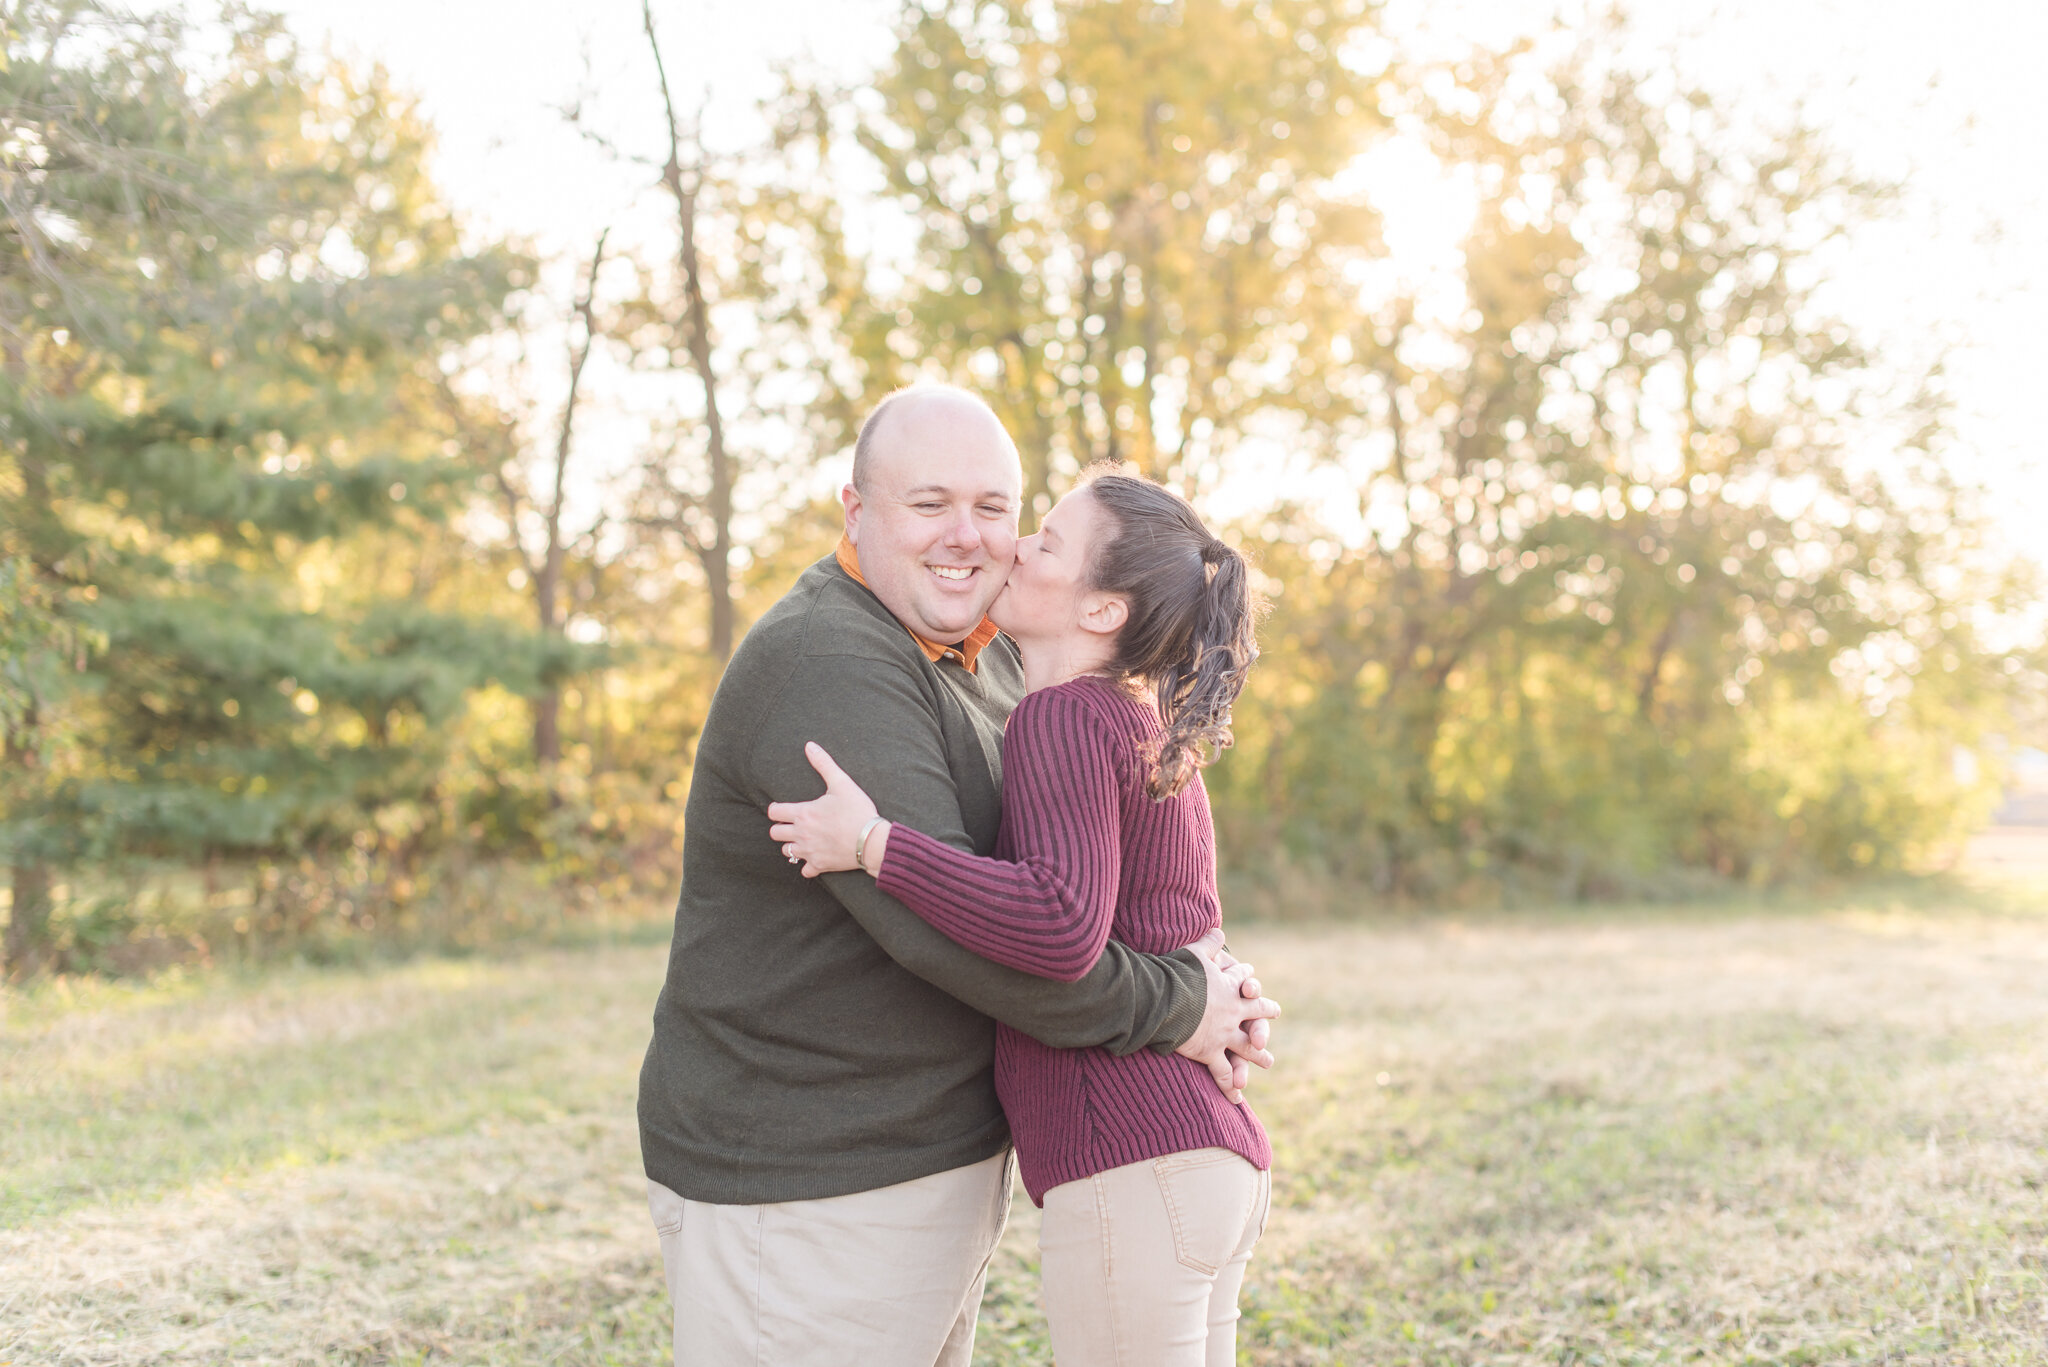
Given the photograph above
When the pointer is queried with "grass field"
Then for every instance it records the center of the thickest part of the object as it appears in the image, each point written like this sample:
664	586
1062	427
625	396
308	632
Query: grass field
1567	1140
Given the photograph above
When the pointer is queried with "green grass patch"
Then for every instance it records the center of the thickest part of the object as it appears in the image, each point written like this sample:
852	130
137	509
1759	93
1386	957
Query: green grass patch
1781	1139
152	1088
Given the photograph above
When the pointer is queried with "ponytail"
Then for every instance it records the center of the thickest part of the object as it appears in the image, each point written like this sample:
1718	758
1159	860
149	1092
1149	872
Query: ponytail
1189	629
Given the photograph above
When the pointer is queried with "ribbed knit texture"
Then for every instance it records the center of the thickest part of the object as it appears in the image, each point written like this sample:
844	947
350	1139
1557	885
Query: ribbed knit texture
1083	855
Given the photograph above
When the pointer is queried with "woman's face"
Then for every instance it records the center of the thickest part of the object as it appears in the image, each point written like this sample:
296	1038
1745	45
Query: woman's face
1042	599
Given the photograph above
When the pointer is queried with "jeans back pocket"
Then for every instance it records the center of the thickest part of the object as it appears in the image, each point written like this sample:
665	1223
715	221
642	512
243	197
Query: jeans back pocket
1208	1195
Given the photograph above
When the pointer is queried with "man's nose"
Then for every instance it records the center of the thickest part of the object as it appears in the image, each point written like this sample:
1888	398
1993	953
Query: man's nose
961	533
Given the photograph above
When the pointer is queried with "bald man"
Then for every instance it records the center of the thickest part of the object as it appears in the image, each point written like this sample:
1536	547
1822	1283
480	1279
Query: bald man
827	1163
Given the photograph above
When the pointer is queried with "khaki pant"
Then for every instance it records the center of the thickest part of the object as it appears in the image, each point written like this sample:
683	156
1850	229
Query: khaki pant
1142	1264
884	1278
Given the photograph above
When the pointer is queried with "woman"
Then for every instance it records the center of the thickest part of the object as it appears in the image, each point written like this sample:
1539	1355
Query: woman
1135	625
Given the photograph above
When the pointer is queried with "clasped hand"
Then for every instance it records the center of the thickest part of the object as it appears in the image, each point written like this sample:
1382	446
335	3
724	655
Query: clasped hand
1237	1022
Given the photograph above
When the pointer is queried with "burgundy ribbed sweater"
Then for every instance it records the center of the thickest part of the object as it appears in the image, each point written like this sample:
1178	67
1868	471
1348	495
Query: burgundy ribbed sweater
1083	854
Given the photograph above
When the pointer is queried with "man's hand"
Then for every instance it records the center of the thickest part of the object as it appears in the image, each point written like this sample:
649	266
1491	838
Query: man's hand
1235	1024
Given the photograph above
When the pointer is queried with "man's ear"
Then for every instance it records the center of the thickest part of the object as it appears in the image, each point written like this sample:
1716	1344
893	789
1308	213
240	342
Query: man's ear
1104	613
849	499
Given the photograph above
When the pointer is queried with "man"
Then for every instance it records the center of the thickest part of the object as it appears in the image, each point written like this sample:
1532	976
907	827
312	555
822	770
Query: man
827	1162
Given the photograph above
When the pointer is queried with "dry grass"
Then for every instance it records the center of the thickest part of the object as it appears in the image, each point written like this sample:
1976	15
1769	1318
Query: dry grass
430	1161
1698	1138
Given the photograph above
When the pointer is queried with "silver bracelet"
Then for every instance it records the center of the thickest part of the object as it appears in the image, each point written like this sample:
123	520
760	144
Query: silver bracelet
860	845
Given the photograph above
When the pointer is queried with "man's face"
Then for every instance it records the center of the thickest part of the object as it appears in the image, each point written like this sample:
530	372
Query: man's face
937	525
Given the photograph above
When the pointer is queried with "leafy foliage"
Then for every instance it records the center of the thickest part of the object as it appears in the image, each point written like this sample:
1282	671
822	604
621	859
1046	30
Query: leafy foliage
1603	560
1635	592
1608	576
230	295
1114	259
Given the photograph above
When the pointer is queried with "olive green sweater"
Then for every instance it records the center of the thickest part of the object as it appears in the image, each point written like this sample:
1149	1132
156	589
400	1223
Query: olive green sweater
817	1037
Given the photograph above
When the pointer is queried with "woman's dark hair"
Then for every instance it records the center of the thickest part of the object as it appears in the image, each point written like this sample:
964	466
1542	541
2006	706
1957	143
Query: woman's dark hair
1189	632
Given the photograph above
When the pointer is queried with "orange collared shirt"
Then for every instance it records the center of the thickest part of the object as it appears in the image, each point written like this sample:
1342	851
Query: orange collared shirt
965	652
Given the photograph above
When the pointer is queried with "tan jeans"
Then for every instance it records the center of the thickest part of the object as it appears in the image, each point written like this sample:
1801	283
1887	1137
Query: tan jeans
890	1277
1142	1264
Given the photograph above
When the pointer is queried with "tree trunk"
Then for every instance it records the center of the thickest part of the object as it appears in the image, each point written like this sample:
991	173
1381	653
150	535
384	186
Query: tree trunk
547	727
718	580
718	558
1152	206
1646	691
683	184
547	578
28	925
547	708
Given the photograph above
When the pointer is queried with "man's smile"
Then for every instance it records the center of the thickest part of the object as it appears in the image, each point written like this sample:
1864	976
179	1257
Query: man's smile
953	573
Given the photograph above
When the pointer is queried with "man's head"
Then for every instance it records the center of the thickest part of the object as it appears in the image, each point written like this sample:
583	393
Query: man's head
933	508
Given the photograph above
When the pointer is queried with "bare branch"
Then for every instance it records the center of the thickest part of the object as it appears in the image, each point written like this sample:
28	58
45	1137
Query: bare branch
685	183
668	103
504	445
579	357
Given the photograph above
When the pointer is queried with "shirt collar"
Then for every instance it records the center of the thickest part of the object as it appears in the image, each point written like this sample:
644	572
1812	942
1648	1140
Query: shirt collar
966	652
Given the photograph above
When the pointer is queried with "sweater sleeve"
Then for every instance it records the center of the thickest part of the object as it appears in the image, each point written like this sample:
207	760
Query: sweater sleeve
876	721
1047	913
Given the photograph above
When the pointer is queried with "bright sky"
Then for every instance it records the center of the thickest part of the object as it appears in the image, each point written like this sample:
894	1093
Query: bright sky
1942	96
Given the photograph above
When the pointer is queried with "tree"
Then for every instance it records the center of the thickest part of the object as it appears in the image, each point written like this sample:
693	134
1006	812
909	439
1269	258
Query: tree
1629	534
1121	211
229	293
37	649
1626	515
758	312
544	566
682	175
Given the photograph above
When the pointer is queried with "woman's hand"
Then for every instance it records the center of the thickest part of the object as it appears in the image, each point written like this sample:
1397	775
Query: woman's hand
1240	1046
821	834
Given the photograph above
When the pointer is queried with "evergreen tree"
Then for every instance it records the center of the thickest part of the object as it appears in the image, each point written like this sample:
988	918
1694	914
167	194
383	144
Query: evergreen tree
229	297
